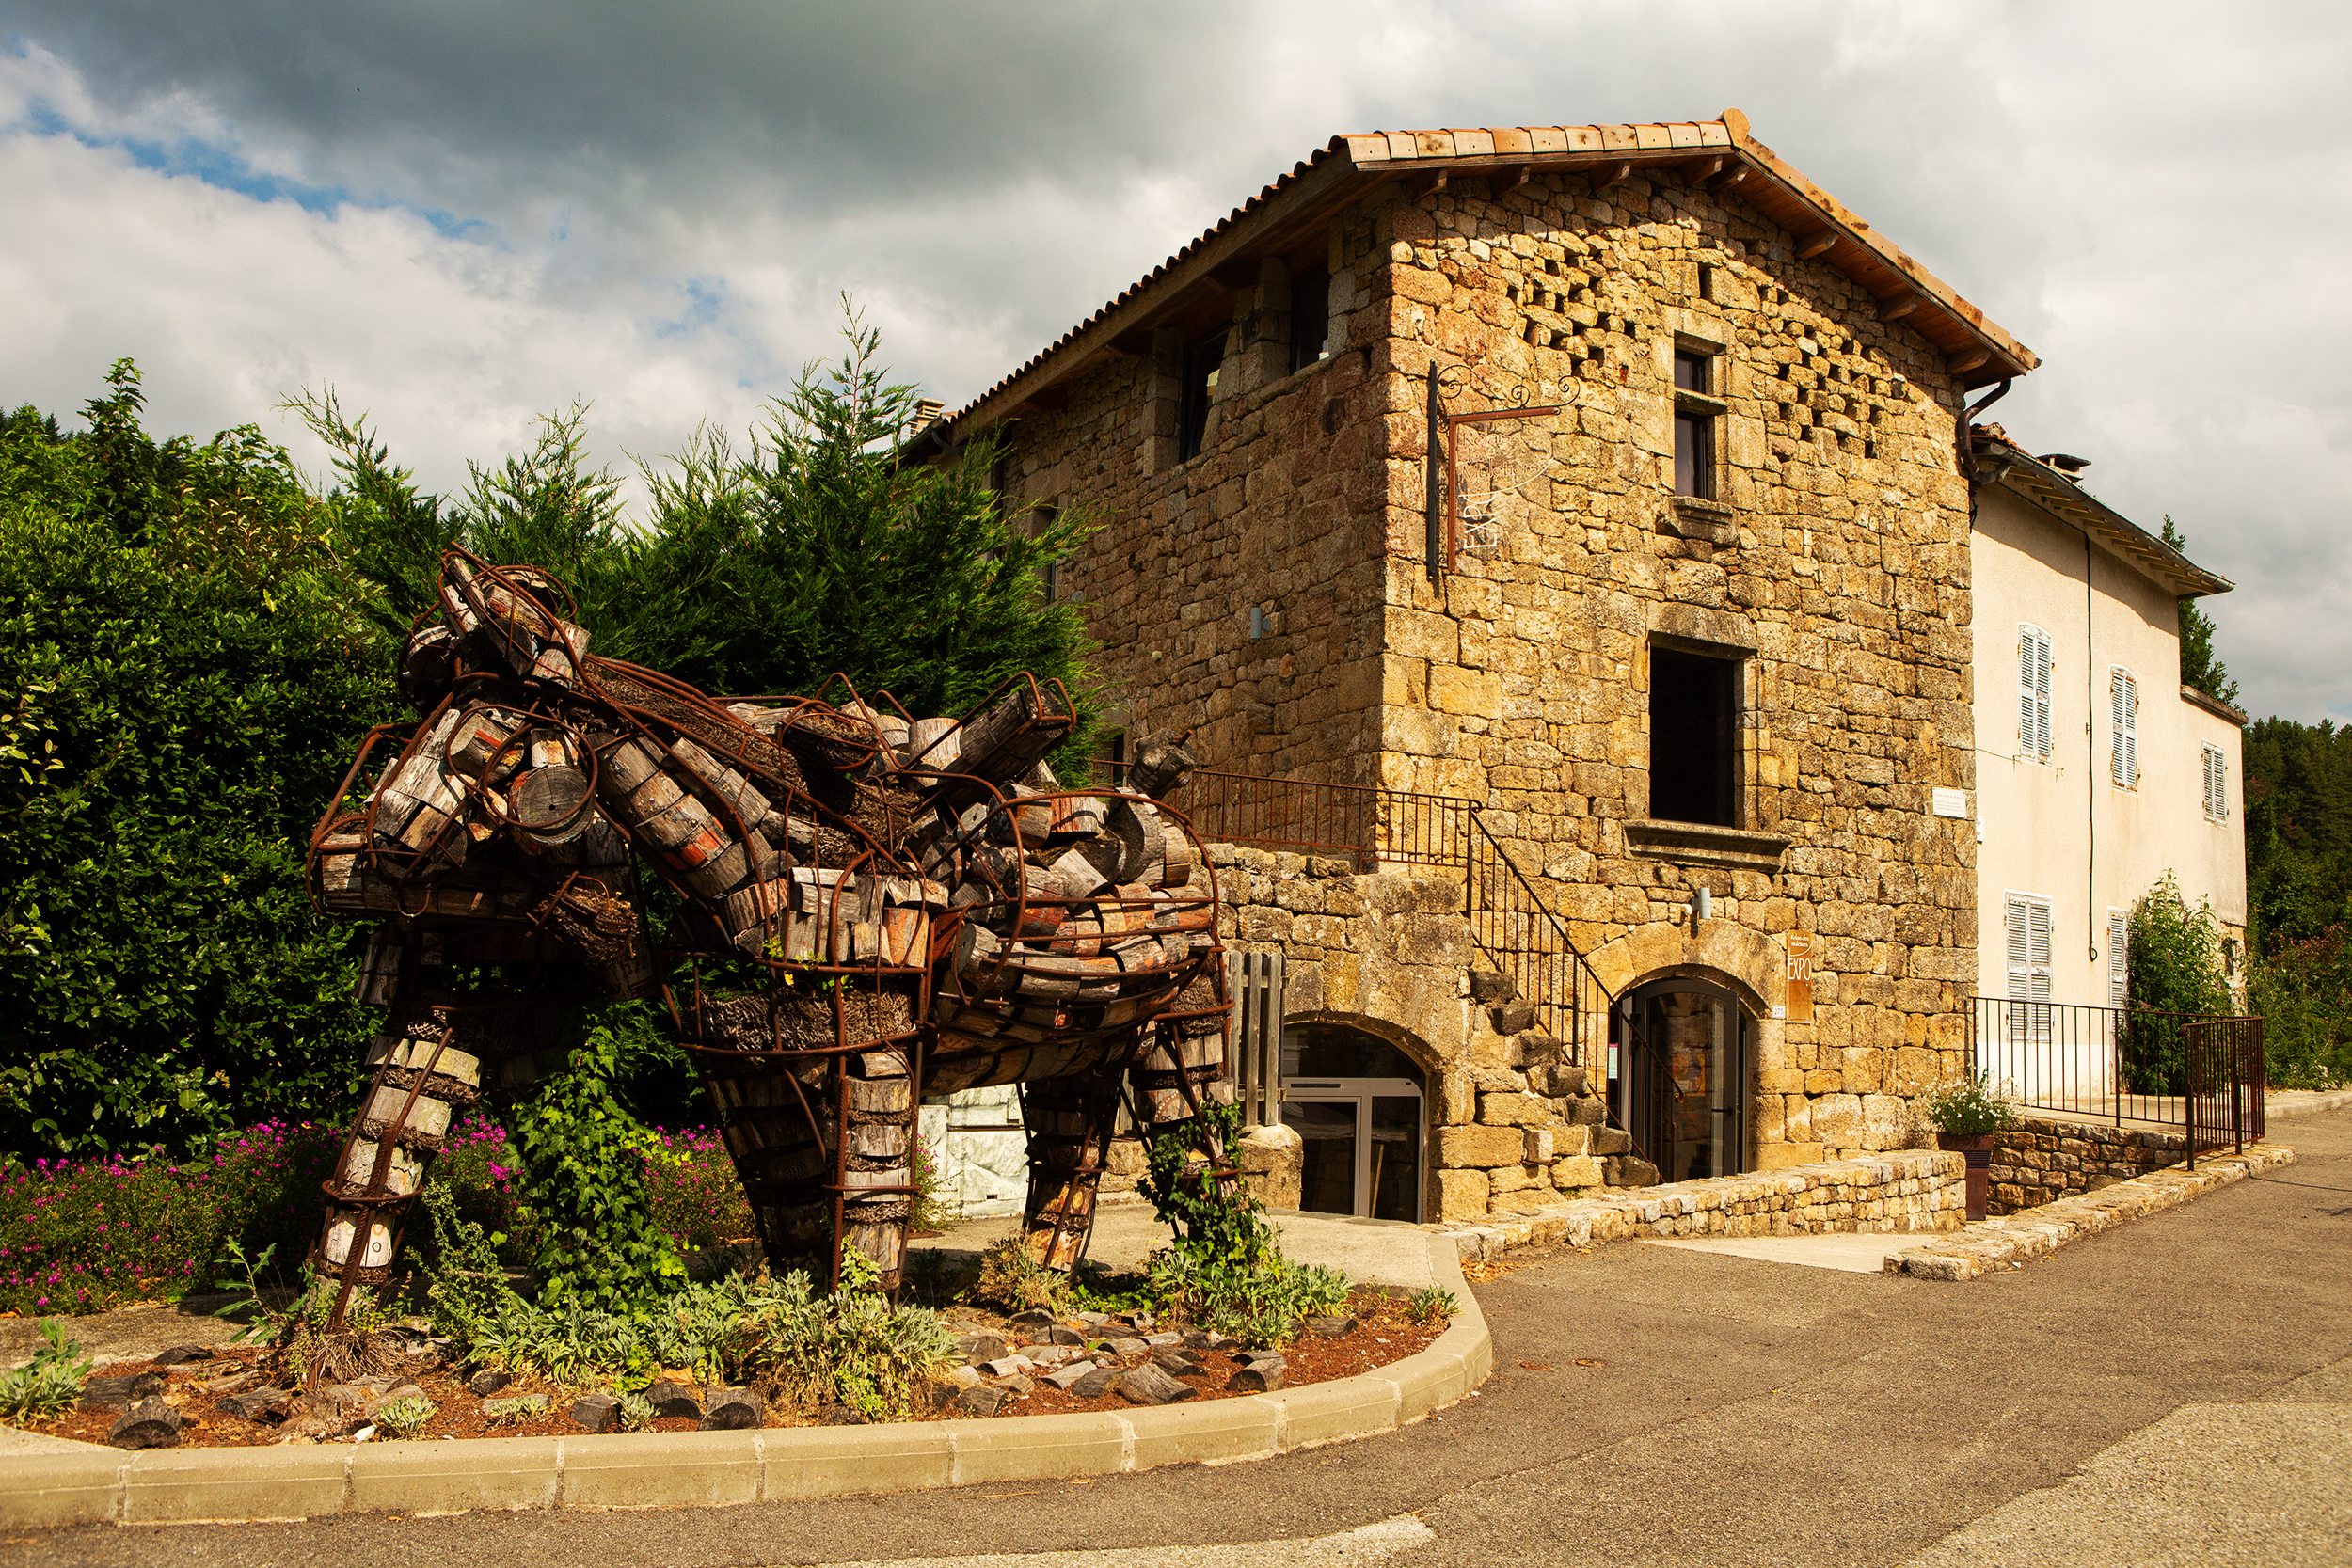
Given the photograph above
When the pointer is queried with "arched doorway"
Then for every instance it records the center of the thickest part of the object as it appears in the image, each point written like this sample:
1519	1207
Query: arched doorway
1356	1102
1679	1051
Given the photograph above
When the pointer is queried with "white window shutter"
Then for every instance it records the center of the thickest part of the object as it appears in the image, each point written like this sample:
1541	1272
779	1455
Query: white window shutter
2220	785
2027	651
2042	695
2020	956
2131	728
2118	955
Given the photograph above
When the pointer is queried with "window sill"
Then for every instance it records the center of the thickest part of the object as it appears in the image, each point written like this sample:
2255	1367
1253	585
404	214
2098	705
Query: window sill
1704	843
1697	518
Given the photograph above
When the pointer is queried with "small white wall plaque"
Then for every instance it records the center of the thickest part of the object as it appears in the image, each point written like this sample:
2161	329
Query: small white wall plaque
1951	803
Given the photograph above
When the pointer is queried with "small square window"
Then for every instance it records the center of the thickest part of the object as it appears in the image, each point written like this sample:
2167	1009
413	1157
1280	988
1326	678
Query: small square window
1691	372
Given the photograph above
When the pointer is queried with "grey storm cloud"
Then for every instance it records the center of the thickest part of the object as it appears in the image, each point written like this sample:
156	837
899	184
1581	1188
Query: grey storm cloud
459	214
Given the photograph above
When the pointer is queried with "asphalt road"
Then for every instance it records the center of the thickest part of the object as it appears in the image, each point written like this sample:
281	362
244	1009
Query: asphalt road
2176	1391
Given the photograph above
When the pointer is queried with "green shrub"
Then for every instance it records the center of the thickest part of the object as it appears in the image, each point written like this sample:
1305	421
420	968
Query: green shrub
2303	994
2175	967
50	1384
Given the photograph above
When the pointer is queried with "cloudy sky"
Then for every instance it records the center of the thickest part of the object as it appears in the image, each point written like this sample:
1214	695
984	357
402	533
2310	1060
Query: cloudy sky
459	214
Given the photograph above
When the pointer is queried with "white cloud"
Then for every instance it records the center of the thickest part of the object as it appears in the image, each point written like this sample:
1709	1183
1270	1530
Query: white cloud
656	209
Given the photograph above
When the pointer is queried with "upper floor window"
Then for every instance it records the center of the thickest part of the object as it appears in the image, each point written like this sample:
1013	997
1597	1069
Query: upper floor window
2124	727
1695	412
1693	725
1203	359
2033	692
1311	318
2217	770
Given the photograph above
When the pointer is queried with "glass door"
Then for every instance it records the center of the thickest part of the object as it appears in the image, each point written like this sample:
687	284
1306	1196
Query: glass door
1363	1152
1679	1077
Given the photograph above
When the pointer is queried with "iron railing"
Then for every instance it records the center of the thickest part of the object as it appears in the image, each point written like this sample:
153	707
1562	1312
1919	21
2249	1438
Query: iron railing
1523	938
2124	1065
2225	1081
1511	926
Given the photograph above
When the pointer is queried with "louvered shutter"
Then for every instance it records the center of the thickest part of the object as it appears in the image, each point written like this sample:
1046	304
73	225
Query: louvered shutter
2220	785
2119	951
2130	731
2038	966
2042	695
2028	651
2123	728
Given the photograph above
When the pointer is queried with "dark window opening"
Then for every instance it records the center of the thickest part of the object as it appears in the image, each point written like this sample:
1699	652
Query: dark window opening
1693	707
1201	362
1694	427
1310	317
1115	753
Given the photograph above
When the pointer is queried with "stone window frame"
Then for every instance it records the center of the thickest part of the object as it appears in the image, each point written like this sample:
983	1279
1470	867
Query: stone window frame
1198	372
1705	408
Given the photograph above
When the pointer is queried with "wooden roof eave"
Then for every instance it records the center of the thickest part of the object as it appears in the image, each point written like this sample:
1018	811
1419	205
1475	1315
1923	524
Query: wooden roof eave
2062	497
1317	195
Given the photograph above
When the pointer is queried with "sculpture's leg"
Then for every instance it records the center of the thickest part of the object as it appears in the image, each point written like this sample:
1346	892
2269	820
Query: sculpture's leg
781	1130
420	1083
1070	1122
875	1167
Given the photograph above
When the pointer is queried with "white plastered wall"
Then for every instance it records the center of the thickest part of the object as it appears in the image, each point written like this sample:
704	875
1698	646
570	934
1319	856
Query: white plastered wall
2063	829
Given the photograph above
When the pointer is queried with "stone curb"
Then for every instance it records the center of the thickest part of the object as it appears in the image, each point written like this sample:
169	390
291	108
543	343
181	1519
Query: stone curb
2335	1100
1712	1207
2016	1238
702	1469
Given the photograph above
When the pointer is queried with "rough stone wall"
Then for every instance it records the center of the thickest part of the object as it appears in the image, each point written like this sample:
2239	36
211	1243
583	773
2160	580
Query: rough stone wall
2038	1161
1837	561
1280	511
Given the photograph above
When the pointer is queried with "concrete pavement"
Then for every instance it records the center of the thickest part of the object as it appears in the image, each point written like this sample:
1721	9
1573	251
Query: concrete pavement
1735	1412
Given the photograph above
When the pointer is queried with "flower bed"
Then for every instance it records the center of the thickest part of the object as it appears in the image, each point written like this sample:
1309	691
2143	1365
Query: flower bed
80	1236
214	1396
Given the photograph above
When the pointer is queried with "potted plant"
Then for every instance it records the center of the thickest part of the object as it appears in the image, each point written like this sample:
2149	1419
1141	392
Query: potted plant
1967	1115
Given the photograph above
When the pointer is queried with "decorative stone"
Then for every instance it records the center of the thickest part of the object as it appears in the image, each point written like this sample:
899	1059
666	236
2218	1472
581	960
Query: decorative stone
1149	1386
1071	1376
258	1404
1259	1377
981	1401
598	1412
984	1347
178	1353
233	1382
669	1398
485	1383
1331	1327
149	1423
733	1410
121	1393
1097	1382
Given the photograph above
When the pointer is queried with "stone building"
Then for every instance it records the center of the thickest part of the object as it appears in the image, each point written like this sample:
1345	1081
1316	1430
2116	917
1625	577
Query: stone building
1587	509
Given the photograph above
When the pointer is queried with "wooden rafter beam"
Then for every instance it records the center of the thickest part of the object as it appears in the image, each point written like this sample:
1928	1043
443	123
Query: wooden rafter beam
1820	244
1901	305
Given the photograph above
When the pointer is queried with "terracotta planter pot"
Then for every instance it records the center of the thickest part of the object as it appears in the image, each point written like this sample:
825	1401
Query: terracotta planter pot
1977	1148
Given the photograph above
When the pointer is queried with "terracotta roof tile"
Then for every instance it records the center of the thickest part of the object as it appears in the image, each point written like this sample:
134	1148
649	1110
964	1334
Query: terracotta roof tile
1784	196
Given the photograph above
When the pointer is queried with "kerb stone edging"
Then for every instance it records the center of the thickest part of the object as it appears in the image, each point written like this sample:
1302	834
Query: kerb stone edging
2035	1232
694	1470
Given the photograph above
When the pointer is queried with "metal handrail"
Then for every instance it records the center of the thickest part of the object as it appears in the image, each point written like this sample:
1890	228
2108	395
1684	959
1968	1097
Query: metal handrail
2122	1064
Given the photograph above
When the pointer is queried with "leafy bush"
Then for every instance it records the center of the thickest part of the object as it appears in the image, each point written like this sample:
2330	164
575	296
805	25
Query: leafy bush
404	1417
1967	1107
186	685
1016	1281
48	1385
2174	968
2303	994
1431	1302
852	1346
1225	1270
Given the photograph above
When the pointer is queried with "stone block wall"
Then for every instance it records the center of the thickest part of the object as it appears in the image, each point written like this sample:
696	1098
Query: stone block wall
1833	565
1922	1191
2038	1161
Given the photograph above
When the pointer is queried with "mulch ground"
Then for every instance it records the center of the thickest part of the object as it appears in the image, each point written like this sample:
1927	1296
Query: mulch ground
1384	1335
